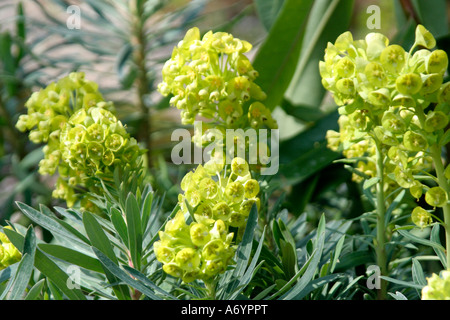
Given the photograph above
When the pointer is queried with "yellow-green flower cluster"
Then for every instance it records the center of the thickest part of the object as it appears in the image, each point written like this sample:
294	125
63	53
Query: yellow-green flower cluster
205	247
390	98
82	135
438	288
211	77
8	252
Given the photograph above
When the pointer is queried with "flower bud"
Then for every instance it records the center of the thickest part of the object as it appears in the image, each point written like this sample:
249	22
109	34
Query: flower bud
404	178
375	74
431	83
416	190
402	100
444	93
251	188
437	62
188	259
163	253
436	120
173	269
239	167
380	97
424	37
237	219
393	122
414	141
234	192
436	197
385	136
346	86
393	58
409	83
222	211
420	217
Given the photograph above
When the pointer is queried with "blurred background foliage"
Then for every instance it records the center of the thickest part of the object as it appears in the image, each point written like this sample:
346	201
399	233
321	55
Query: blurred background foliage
122	45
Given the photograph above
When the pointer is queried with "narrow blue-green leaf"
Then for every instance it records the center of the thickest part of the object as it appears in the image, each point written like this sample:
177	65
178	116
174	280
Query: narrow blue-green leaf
35	290
434	237
59	278
309	273
398	199
245	247
72	256
47	267
246	278
337	253
119	224
100	241
97	236
133	215
46	222
56	293
417	273
8	272
146	209
398	295
278	55
123	276
145	281
316	284
402	283
294	278
25	268
230	280
265	292
320	228
410	236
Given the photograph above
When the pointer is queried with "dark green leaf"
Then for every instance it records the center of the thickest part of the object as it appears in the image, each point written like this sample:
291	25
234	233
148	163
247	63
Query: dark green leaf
72	256
434	237
35	290
134	228
278	55
123	276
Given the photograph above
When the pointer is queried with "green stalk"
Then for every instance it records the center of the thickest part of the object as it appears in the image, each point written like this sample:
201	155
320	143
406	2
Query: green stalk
380	244
139	42
442	181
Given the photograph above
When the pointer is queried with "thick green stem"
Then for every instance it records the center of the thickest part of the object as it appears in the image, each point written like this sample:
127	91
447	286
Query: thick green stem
381	227
442	180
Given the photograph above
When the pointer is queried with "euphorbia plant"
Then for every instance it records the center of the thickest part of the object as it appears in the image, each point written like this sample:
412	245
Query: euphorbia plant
81	135
217	203
394	111
211	80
